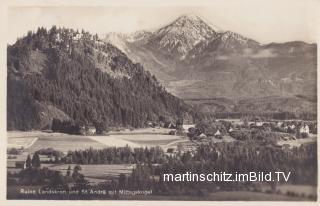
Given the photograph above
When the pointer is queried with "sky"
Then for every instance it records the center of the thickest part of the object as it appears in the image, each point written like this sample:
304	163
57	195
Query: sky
264	21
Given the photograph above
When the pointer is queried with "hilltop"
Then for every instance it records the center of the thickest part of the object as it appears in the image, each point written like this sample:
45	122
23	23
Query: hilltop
74	76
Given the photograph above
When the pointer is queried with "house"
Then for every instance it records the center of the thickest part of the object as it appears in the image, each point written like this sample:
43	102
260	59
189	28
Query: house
82	130
259	124
187	126
292	126
202	135
218	153
218	133
151	124
77	37
91	130
20	164
279	124
87	130
304	129
58	38
169	125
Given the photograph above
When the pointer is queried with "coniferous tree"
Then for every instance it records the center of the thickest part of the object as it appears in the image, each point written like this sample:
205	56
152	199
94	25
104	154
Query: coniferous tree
36	160
28	162
68	171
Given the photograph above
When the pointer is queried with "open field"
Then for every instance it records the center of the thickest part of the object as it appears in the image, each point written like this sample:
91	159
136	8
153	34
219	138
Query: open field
32	134
34	141
298	189
156	130
137	140
299	142
95	173
21	142
65	143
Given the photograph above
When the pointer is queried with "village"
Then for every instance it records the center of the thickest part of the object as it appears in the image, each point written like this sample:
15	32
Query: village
183	138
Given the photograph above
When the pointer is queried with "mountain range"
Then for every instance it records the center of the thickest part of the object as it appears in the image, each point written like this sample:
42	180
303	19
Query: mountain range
188	69
193	59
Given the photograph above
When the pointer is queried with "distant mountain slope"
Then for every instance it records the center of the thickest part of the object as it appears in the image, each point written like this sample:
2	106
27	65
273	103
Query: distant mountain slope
193	60
301	107
70	75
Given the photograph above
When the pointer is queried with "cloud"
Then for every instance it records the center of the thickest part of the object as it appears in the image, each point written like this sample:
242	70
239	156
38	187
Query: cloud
264	53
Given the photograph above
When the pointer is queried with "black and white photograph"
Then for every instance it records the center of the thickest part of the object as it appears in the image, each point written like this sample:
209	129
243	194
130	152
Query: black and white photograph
176	102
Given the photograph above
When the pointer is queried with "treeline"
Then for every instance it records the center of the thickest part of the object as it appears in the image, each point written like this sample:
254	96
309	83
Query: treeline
267	115
240	157
49	179
90	81
231	158
116	155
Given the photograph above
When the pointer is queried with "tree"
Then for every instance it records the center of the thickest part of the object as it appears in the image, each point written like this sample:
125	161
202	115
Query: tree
122	181
69	171
76	173
179	122
52	34
36	160
28	162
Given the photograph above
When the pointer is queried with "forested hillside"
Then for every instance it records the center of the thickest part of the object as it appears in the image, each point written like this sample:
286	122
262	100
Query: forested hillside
73	76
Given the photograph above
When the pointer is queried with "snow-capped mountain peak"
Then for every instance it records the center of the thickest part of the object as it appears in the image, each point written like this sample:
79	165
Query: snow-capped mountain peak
182	35
180	38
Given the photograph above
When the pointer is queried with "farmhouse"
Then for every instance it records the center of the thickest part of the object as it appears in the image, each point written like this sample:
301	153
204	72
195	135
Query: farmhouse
218	133
169	125
91	130
304	129
87	130
77	37
187	126
292	126
151	124
258	124
279	124
202	135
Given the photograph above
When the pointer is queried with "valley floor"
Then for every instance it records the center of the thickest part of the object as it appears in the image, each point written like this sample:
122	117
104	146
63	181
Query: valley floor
32	141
